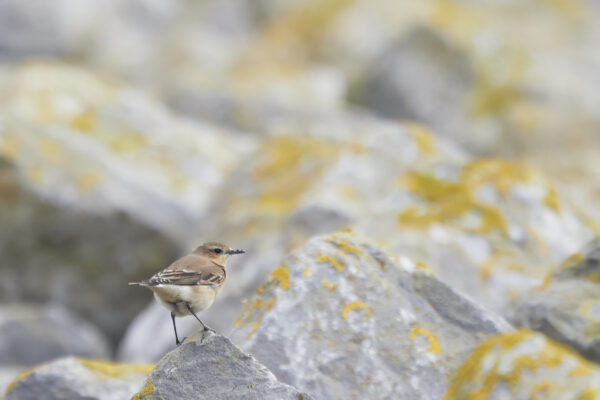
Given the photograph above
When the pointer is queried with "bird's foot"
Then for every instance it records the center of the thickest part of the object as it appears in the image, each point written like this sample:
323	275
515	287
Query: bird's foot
179	342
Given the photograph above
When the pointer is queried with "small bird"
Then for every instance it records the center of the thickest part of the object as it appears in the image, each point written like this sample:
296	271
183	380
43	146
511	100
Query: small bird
191	284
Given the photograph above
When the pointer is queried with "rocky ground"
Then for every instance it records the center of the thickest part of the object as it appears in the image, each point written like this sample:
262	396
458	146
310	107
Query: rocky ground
415	183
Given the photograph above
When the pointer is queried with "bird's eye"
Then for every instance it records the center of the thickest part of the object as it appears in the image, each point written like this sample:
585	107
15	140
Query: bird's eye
217	251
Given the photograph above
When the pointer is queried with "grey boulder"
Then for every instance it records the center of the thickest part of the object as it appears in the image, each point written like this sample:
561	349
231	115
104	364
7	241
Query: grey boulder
340	319
566	307
30	335
209	366
78	379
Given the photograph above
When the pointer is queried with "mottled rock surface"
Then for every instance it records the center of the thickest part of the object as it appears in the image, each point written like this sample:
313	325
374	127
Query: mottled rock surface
489	228
209	366
567	306
75	378
524	366
31	335
340	319
81	260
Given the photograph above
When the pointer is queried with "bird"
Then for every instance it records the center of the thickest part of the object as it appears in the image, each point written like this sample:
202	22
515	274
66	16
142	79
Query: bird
190	284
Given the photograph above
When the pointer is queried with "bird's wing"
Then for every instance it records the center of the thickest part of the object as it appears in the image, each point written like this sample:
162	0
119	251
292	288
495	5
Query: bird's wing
190	270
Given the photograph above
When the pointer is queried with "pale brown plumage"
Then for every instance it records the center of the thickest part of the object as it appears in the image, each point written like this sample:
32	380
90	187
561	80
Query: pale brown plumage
191	283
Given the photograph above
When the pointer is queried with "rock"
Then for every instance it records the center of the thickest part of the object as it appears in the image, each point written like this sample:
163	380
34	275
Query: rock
209	366
524	365
421	78
91	257
339	319
566	308
489	228
102	186
31	335
76	378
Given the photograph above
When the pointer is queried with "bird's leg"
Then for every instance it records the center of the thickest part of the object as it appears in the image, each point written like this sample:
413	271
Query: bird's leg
177	342
206	328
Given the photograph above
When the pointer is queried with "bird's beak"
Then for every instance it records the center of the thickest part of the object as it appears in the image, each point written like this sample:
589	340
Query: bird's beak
236	252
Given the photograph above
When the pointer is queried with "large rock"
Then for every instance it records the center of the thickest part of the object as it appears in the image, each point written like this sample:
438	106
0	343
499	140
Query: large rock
31	335
340	319
567	306
490	228
209	366
75	378
421	78
524	365
71	257
99	183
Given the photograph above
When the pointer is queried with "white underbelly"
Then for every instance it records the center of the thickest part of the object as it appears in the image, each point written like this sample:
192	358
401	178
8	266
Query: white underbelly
177	298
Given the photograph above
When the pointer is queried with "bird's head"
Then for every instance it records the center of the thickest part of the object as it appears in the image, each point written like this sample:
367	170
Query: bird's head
218	252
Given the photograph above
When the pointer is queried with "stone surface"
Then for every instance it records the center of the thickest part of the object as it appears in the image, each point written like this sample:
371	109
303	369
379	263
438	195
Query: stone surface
209	366
75	258
524	366
340	319
490	228
102	186
30	335
75	378
444	77
567	307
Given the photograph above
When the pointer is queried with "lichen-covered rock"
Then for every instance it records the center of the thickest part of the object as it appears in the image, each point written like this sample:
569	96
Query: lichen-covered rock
81	260
31	335
75	378
208	366
339	319
98	182
88	142
524	365
567	306
490	228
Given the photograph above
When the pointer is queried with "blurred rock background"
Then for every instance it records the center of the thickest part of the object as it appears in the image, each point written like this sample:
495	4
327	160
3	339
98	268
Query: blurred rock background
461	135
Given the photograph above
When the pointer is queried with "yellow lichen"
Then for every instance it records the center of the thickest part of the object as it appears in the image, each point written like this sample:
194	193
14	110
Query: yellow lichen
146	391
480	373
252	329
572	260
545	282
434	346
420	265
305	272
588	394
87	181
48	149
281	274
355	305
421	136
9	147
127	142
107	370
550	200
450	201
329	286
34	174
20	376
321	258
289	165
347	247
84	122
